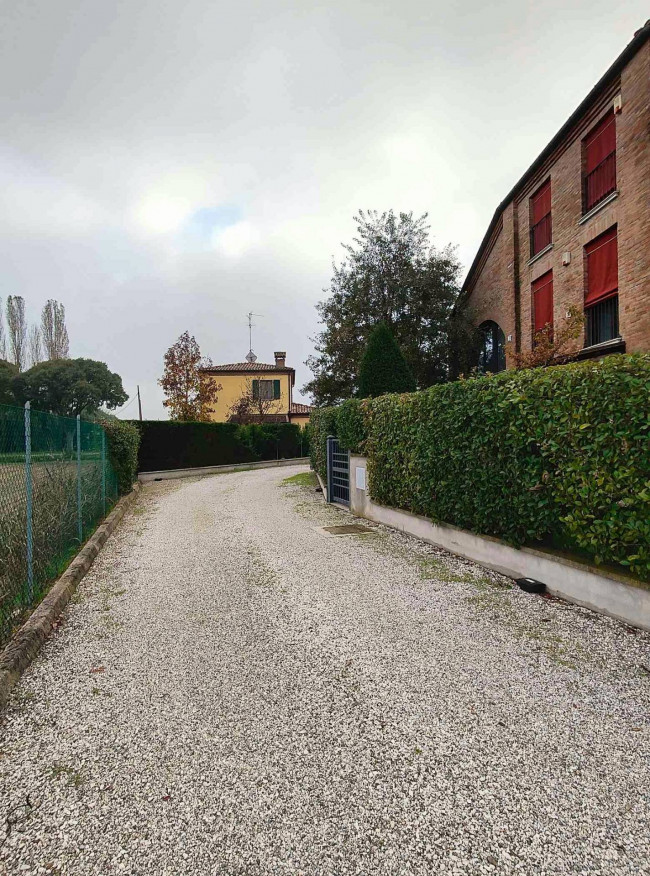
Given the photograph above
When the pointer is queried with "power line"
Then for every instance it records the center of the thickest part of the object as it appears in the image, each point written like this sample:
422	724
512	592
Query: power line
126	404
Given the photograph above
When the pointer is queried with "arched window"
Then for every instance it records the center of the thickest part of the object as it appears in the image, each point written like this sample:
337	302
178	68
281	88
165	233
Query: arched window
492	355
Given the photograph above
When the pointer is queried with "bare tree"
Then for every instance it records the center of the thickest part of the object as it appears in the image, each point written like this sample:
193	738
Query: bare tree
53	331
254	404
35	345
3	337
17	329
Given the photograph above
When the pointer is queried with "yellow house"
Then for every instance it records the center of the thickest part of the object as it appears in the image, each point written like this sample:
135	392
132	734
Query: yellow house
266	389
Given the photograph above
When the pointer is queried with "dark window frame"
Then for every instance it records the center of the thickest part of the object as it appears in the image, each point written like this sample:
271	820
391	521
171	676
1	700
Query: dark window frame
492	356
601	321
601	316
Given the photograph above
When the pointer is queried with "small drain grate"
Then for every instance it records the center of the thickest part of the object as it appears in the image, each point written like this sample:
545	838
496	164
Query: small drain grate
348	529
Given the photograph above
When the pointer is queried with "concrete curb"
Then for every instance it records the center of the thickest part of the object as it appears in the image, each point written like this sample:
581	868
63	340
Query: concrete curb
604	592
322	485
26	642
146	477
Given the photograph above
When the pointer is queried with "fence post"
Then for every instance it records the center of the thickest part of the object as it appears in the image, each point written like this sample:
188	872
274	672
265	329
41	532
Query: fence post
104	471
29	502
79	517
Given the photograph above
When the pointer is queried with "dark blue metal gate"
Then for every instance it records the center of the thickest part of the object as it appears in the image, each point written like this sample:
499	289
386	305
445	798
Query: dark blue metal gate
338	473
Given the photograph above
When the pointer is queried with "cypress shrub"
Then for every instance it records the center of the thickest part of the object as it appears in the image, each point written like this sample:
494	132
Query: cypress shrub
383	367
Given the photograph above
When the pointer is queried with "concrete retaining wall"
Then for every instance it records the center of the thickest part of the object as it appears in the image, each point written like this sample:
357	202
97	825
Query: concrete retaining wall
585	585
145	476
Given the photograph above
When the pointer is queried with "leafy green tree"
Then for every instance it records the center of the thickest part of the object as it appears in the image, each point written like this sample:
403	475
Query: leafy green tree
391	274
69	387
8	372
383	367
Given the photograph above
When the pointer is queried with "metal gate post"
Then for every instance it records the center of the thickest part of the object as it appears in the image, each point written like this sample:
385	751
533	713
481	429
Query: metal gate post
330	453
29	502
79	517
104	472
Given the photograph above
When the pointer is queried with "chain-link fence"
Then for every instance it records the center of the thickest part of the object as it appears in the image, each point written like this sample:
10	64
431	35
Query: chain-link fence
56	483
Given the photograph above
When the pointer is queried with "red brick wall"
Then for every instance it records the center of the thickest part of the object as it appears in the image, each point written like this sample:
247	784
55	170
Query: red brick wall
568	234
633	180
493	295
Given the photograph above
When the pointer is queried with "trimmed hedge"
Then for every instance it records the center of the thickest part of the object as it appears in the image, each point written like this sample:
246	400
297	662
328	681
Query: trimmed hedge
323	422
122	442
555	455
167	444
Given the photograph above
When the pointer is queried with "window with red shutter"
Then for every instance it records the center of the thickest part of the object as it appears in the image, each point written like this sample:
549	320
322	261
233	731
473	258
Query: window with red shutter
540	219
542	290
600	161
601	294
602	267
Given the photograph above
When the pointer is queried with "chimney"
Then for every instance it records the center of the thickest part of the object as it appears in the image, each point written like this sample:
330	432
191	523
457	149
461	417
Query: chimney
280	358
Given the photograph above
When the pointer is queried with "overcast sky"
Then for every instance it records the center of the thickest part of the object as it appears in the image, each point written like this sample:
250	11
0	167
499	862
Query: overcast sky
171	165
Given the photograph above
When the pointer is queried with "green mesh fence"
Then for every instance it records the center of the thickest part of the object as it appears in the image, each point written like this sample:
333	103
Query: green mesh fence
56	483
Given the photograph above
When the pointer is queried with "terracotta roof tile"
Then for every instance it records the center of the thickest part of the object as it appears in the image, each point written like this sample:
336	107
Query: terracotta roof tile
297	408
236	367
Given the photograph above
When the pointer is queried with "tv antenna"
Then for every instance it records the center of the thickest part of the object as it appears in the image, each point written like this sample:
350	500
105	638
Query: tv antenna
251	357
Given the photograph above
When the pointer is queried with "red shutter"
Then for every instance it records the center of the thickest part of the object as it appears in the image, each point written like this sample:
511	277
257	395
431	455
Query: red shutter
540	218
602	267
543	301
541	203
600	142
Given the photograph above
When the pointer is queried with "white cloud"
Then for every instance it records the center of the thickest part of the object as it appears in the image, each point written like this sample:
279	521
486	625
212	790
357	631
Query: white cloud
164	205
235	240
160	214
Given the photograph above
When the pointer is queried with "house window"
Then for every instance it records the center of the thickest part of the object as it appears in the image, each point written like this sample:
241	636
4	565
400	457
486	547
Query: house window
542	290
599	148
601	297
266	390
540	219
492	354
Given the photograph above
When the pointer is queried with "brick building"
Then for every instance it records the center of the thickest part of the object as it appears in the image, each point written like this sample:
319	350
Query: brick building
575	229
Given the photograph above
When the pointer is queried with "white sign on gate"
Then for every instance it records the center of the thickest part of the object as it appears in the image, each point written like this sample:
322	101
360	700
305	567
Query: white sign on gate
361	477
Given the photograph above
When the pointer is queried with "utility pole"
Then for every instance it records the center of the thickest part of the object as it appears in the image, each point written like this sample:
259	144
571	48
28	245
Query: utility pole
139	404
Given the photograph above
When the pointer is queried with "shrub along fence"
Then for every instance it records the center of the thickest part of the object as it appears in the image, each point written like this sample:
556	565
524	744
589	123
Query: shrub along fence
167	445
557	456
57	480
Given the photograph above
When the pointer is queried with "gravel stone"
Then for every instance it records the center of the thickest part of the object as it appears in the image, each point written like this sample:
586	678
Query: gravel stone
234	692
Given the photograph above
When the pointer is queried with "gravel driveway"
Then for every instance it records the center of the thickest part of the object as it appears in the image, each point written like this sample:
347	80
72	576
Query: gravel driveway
235	692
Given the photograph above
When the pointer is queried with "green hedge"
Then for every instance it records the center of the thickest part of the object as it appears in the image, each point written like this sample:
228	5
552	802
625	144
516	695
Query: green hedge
549	455
122	442
167	444
352	422
322	422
